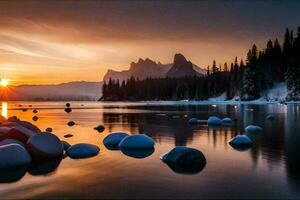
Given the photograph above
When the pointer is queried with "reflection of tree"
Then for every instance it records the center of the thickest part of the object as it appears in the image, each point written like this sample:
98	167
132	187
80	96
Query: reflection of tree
153	125
292	144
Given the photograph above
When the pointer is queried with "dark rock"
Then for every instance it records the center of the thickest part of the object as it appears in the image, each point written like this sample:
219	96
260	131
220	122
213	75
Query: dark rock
83	150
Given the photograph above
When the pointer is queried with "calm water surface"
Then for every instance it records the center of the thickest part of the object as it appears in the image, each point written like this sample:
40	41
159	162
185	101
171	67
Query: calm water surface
270	169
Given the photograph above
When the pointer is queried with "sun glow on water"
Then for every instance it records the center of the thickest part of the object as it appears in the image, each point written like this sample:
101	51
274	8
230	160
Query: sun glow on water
4	109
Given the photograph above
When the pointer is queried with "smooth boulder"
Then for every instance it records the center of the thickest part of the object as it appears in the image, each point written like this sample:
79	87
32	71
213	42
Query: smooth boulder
240	140
113	139
193	121
184	160
270	117
227	120
68	104
138	141
18	132
82	150
11	141
13	155
214	121
253	129
46	145
25	124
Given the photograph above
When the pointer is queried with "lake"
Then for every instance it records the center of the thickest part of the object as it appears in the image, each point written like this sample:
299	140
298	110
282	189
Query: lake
269	169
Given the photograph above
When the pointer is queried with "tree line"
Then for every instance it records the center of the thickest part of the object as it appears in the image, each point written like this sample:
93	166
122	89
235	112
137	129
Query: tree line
247	80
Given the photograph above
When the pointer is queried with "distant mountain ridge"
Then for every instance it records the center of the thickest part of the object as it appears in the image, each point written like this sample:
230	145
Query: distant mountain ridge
76	91
148	68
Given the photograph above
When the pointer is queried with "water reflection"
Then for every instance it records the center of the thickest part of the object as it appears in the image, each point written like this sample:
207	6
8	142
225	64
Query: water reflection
4	109
138	153
272	144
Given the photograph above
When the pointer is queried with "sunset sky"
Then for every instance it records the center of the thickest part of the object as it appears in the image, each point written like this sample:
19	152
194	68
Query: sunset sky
45	42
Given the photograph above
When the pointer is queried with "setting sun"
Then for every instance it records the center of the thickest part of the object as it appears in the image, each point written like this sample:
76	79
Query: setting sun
4	82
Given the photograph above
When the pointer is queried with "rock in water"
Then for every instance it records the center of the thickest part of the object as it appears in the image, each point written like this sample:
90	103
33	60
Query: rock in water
270	117
4	130
240	140
214	121
49	130
193	121
13	119
99	128
18	132
42	167
138	141
25	124
11	141
46	145
185	160
82	150
35	111
68	110
68	104
66	145
35	118
71	123
138	153
13	155
227	120
113	139
68	135
253	129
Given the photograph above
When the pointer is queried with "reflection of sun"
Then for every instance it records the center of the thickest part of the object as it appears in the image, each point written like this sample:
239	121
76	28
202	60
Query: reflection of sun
4	82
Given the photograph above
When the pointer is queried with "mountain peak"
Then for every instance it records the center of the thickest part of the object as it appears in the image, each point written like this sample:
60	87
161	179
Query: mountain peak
181	67
179	59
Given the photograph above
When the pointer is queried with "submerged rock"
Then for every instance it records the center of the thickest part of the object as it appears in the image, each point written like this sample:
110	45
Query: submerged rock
99	128
71	123
49	129
24	109
13	155
185	160
68	104
270	117
214	121
35	118
227	120
253	129
35	111
83	150
193	121
68	135
68	110
112	140
46	145
240	140
138	141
